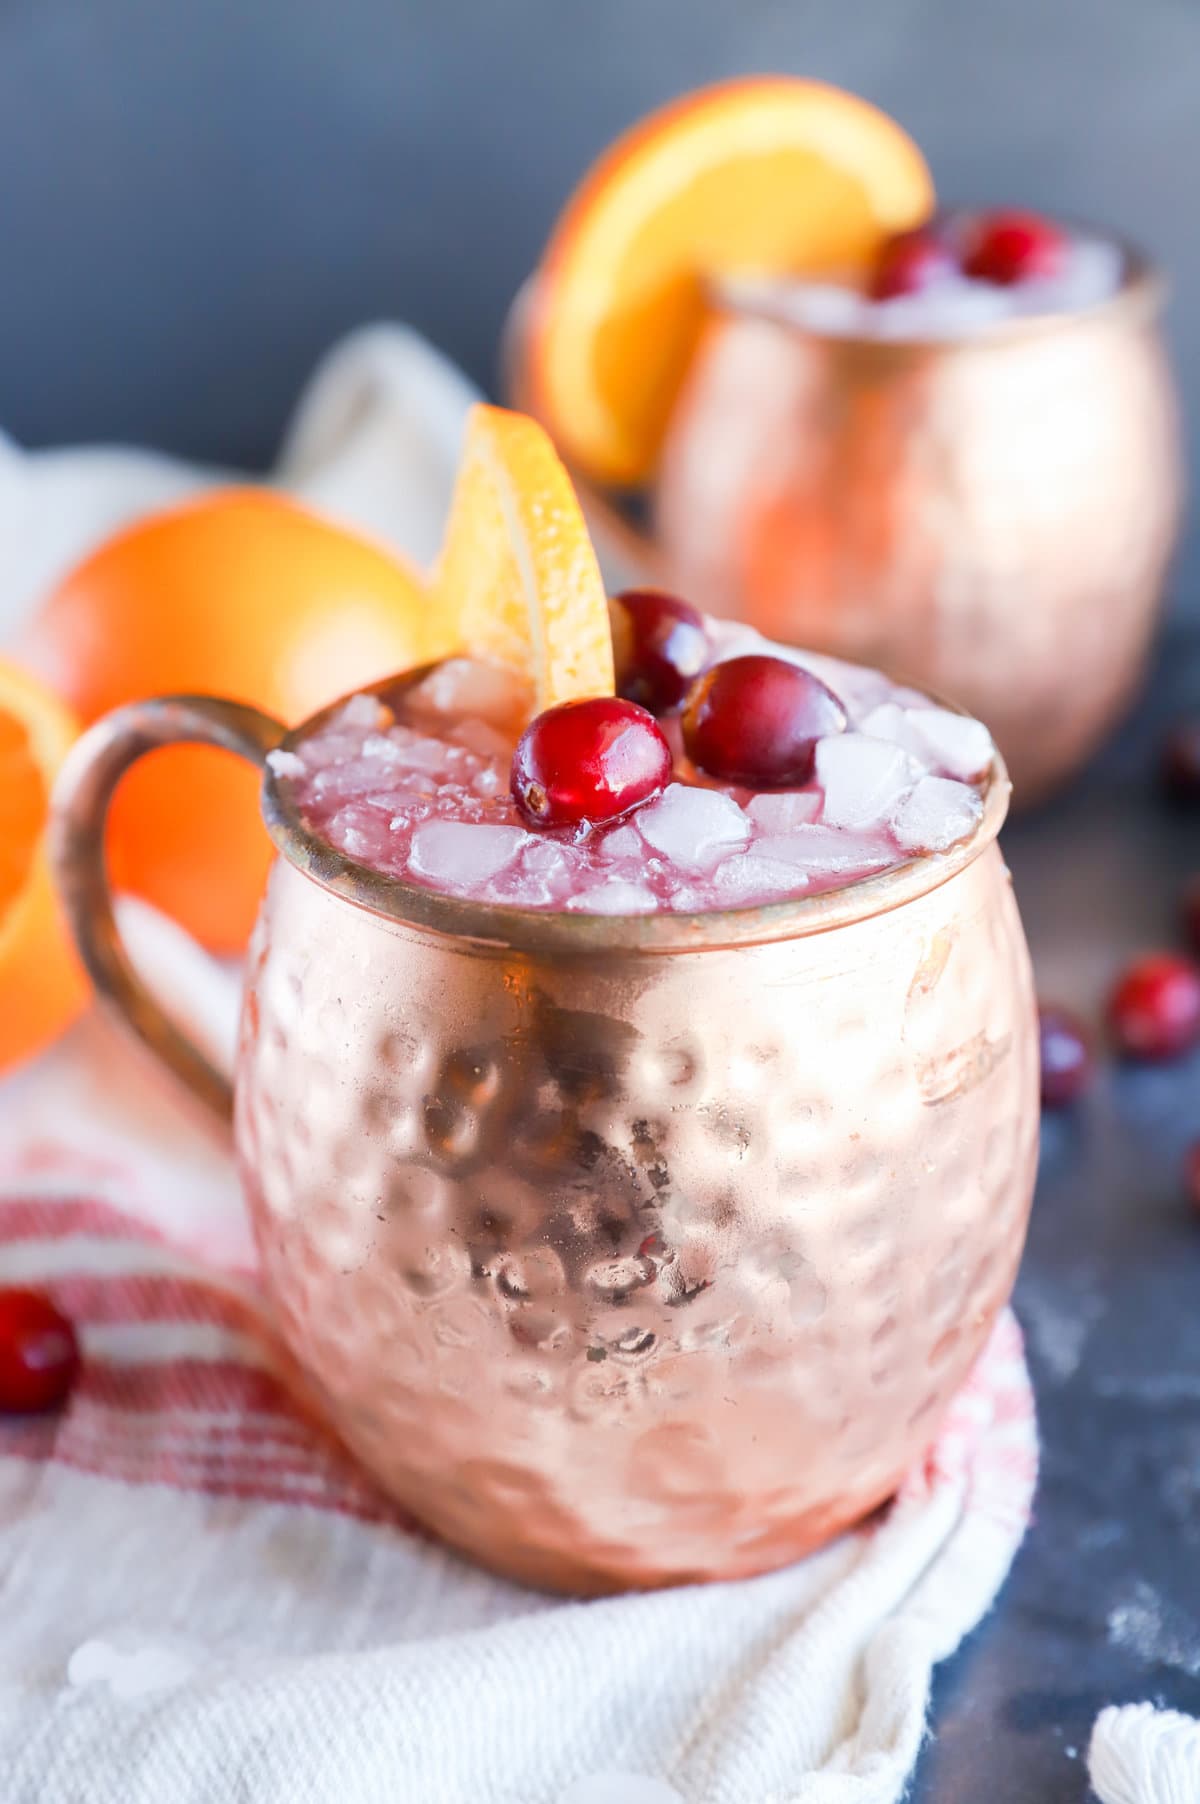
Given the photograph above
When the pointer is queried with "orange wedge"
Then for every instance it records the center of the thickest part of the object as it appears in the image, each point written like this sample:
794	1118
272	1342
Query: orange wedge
42	986
518	581
763	176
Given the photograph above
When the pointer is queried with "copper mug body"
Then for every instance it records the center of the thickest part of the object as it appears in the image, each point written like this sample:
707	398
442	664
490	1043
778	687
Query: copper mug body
989	517
621	1252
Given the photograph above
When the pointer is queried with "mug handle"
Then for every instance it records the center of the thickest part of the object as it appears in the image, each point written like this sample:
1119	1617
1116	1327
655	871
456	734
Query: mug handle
79	810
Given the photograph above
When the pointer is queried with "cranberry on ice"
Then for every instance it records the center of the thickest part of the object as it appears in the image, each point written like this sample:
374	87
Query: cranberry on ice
757	719
1181	761
1066	1057
39	1354
588	761
1154	1012
910	263
660	647
1010	247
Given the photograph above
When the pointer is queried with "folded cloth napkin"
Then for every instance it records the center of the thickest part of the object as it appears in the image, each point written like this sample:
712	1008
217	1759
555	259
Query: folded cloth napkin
203	1599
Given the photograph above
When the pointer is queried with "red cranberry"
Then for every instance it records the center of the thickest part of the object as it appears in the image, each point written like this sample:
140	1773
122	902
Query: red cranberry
1191	1173
39	1354
1066	1057
910	263
588	761
1191	913
1181	762
1009	247
1154	1012
660	647
756	720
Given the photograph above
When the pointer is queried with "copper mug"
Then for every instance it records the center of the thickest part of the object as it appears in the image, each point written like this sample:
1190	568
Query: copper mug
623	1252
989	516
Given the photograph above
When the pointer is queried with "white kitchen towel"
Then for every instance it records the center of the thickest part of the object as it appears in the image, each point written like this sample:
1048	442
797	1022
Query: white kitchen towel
202	1600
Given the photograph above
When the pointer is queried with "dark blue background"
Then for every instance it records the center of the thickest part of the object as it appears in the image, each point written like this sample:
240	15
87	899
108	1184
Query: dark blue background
197	195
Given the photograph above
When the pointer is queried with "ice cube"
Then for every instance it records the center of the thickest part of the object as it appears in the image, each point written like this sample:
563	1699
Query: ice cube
549	857
417	753
863	778
361	711
621	842
689	899
826	851
888	721
361	831
953	309
484	740
540	878
692	827
386	748
352	779
828	307
747	877
285	764
1093	270
936	814
780	810
615	896
951	744
468	688
458	855
546	871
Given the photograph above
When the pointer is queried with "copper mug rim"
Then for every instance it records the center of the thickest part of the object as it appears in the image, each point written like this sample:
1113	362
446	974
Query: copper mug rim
525	929
1142	292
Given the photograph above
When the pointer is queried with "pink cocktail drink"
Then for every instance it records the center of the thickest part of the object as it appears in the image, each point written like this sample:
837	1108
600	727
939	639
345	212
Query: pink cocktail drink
420	790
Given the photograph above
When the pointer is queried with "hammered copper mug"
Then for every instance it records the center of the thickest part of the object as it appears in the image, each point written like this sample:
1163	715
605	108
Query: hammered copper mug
623	1252
990	516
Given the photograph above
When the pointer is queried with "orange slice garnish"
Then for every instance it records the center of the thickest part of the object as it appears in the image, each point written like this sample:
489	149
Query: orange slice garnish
42	986
763	176
518	582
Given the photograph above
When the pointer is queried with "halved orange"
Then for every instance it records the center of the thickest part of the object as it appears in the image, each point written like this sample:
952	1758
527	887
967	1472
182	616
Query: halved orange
42	985
767	176
518	581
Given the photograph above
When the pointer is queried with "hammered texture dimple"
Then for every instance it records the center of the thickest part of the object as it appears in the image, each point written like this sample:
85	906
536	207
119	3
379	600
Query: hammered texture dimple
990	518
636	1269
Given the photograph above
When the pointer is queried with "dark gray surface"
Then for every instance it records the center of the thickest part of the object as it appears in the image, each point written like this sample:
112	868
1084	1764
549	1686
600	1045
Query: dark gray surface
196	196
1104	1603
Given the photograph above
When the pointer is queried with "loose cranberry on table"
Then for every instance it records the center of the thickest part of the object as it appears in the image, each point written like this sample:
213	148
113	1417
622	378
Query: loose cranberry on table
1154	1012
660	647
1010	247
1181	761
588	761
756	720
911	263
1066	1057
39	1354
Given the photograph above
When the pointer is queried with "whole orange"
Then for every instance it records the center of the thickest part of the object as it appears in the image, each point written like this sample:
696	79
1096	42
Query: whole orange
241	594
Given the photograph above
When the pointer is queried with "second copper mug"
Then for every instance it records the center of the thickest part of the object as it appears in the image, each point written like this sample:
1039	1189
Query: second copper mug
623	1252
988	516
